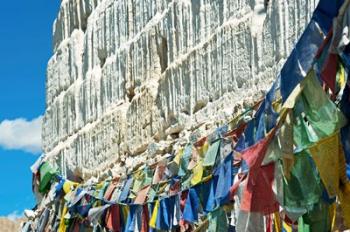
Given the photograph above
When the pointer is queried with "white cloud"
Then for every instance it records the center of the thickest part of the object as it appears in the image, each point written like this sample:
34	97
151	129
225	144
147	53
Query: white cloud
14	215
21	134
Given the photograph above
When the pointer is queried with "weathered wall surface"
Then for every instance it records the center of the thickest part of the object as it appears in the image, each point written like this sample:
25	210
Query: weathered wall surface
128	76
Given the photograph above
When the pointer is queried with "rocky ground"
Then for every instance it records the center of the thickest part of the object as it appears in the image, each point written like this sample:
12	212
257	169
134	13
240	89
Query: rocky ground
8	225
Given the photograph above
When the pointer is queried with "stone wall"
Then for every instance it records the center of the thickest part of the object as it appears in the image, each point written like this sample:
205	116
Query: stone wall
130	77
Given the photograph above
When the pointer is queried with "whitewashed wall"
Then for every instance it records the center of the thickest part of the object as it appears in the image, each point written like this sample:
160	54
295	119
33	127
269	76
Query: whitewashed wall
129	73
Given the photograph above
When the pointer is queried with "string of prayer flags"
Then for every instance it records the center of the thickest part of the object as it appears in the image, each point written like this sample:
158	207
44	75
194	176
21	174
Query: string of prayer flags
282	165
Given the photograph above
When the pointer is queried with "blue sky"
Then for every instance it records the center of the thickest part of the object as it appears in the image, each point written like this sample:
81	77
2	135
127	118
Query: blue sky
25	47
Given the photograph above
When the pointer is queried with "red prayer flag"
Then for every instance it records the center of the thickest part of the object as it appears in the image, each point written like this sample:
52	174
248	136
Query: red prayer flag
142	195
258	195
329	71
145	219
113	218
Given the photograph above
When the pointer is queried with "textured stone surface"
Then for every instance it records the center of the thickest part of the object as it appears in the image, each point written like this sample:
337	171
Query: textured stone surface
127	76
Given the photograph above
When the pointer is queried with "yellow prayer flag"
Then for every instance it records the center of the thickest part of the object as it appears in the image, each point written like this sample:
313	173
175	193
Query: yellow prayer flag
203	149
277	222
178	156
69	186
325	153
62	227
153	221
287	227
341	80
344	193
344	198
197	174
290	102
125	212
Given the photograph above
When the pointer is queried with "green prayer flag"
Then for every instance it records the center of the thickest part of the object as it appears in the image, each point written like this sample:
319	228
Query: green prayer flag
152	193
316	220
315	115
186	181
303	188
46	174
139	179
218	221
148	177
210	156
303	227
